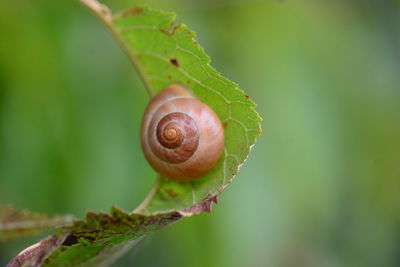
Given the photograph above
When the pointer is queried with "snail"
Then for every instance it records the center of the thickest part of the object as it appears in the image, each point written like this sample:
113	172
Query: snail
182	138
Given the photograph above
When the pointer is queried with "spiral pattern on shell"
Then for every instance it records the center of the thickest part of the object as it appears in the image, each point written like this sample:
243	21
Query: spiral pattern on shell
182	138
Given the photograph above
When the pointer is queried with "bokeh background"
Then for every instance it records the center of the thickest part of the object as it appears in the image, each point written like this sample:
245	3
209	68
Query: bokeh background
321	187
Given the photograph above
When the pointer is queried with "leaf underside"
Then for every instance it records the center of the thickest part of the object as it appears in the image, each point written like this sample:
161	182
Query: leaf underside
163	53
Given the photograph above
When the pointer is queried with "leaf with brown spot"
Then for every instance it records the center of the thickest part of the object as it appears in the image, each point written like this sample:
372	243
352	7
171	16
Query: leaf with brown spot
136	10
174	62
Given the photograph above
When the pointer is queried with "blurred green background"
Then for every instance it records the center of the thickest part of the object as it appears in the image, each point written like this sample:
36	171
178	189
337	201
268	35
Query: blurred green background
322	185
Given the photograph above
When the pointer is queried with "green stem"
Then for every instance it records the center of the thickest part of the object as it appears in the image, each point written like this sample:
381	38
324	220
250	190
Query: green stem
105	16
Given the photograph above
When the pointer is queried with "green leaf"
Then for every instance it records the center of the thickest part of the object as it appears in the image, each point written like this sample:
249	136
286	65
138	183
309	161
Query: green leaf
17	223
97	238
163	53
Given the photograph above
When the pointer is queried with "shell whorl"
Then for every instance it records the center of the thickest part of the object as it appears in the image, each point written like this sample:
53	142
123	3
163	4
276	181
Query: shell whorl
182	138
177	136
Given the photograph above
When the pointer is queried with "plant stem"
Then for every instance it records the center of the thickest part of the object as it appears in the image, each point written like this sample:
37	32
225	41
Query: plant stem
105	16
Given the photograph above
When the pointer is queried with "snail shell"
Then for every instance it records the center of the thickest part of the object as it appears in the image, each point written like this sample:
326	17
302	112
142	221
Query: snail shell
182	138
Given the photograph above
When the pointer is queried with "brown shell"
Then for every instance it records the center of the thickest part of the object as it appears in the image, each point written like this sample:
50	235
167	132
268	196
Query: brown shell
182	138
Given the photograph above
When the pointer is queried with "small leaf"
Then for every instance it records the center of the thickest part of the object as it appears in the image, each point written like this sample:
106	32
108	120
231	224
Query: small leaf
16	223
97	236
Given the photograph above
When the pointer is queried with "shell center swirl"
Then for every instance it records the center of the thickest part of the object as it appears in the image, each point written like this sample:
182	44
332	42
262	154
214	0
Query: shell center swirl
178	137
170	134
